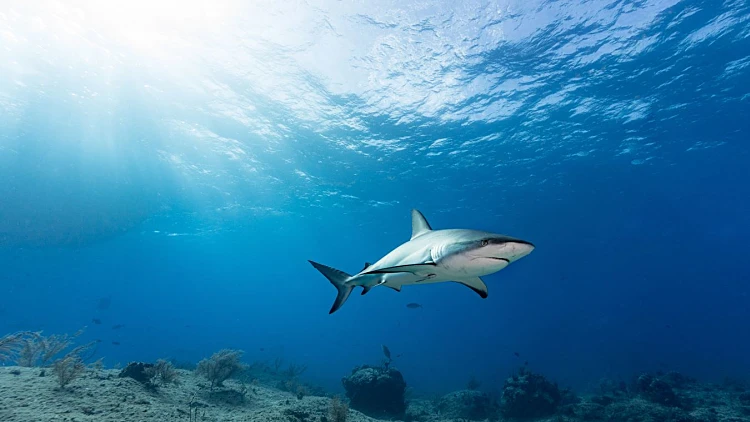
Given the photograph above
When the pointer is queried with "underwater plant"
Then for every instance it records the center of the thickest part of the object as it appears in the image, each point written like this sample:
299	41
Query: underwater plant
38	350
293	371
11	345
338	410
161	373
68	368
221	366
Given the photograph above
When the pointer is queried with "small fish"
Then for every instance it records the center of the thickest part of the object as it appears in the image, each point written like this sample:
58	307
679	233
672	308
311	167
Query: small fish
517	354
386	352
117	327
96	321
116	343
413	305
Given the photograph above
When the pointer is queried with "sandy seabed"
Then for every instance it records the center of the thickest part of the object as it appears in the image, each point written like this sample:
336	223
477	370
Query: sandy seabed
33	395
100	395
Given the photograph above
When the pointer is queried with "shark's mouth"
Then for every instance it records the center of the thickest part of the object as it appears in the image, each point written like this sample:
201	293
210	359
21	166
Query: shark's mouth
499	259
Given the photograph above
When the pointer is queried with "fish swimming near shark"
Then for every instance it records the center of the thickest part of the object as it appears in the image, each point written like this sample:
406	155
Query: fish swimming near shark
432	256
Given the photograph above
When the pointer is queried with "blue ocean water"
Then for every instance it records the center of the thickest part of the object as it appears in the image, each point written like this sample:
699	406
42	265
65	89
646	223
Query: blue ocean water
171	167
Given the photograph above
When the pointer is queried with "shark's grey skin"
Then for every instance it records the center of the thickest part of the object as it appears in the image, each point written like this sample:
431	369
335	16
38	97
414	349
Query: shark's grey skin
432	256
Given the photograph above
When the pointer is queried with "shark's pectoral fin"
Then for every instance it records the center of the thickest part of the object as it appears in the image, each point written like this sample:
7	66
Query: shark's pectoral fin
412	268
475	284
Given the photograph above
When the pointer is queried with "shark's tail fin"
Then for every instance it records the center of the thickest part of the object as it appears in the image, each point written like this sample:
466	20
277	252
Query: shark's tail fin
338	279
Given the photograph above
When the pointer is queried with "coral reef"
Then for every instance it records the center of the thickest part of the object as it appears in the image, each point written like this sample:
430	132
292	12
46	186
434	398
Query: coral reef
376	391
467	404
670	397
101	395
83	392
529	395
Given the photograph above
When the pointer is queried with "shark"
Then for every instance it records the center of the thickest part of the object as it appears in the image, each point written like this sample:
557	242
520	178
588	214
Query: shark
432	256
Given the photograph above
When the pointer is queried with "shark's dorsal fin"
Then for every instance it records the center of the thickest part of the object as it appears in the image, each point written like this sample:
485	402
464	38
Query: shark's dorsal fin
367	264
419	224
475	284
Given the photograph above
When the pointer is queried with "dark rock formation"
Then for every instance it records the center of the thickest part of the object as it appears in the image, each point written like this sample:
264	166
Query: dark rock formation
603	400
745	398
657	390
137	371
677	380
529	395
467	404
376	391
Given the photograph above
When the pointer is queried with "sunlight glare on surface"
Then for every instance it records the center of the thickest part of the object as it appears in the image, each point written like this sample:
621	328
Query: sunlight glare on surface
153	26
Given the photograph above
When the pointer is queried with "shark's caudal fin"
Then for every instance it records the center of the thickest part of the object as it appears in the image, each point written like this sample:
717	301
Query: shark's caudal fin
338	279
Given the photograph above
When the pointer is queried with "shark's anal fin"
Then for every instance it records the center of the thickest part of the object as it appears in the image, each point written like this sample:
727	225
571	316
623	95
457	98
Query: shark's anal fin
419	224
475	284
412	268
396	288
366	289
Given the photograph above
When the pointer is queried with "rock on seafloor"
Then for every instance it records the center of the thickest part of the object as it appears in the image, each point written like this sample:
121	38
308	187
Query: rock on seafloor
376	391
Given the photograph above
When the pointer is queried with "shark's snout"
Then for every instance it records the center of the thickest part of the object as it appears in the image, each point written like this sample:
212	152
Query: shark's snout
508	250
518	249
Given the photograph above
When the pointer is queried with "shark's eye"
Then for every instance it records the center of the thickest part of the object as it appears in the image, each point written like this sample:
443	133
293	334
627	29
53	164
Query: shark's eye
485	242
